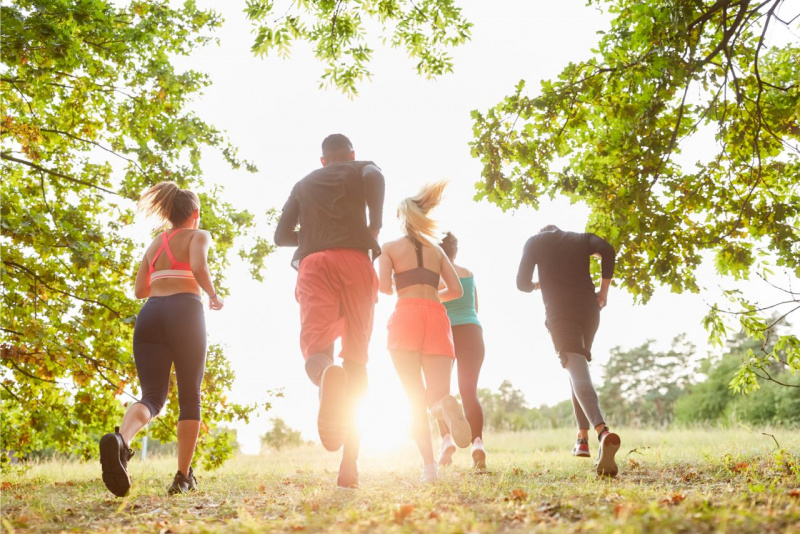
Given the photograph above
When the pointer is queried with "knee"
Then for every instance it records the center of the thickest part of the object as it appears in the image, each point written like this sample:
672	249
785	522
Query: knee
153	404
189	408
316	365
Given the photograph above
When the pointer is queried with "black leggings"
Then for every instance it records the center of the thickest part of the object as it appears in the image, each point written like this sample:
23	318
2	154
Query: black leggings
171	330
468	342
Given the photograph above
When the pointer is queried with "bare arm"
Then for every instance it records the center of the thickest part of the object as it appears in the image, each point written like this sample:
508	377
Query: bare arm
526	266
374	191
450	278
142	286
385	271
285	233
198	260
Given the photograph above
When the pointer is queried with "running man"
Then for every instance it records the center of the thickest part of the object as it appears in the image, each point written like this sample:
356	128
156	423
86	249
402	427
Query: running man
336	285
572	310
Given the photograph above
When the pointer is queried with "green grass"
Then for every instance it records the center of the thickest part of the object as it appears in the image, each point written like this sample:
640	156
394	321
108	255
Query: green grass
676	481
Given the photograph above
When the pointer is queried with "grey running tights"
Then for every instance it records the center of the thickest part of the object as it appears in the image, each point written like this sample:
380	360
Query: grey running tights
584	397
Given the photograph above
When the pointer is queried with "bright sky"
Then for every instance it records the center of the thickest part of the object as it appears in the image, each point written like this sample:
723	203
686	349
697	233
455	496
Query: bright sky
417	131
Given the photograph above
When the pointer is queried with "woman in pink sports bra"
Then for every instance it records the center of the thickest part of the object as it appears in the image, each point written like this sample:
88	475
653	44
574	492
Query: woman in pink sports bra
420	340
170	330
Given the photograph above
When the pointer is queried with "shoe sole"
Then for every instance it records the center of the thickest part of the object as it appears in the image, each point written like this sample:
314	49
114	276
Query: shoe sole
606	465
115	476
581	455
331	418
478	460
446	457
456	422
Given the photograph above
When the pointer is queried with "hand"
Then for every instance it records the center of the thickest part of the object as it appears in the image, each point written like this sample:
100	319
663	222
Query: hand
536	286
215	303
601	299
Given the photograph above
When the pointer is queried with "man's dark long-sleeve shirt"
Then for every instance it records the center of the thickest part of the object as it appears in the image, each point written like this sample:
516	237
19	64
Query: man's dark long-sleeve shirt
330	205
562	259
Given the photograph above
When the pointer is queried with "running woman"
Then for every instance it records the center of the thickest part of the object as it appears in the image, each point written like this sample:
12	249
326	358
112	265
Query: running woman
170	329
336	285
420	340
470	350
572	311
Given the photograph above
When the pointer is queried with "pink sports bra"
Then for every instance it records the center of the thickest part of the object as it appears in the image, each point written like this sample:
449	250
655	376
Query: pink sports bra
177	269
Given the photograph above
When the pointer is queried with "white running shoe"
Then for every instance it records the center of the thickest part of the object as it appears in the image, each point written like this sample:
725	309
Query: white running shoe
430	474
478	455
453	416
446	450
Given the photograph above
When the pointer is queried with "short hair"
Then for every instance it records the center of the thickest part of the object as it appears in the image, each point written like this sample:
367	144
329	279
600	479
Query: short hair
549	228
449	245
336	147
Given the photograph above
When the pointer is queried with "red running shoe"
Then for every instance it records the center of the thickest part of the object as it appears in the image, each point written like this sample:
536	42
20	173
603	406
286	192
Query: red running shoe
581	448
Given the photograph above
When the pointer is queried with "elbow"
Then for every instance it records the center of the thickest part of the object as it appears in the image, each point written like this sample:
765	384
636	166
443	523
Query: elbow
141	293
524	286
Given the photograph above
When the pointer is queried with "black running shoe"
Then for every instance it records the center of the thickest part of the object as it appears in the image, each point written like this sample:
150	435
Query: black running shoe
183	483
114	457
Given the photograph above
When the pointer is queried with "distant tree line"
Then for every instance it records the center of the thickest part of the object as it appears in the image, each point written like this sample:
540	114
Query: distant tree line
643	387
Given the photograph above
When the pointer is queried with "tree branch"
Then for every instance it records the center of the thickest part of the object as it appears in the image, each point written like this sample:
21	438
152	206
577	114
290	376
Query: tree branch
51	172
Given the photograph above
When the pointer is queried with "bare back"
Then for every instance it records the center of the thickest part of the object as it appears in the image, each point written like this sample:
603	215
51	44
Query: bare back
400	256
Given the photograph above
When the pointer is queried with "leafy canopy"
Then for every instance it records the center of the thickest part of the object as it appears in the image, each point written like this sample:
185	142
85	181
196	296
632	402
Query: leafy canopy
93	112
609	131
340	32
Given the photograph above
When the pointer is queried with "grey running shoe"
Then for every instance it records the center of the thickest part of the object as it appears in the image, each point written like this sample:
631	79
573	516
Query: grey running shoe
446	450
332	417
183	483
453	416
609	445
114	457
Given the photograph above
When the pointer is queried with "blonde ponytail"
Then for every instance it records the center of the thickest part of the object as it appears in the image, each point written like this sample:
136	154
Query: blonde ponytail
168	203
413	212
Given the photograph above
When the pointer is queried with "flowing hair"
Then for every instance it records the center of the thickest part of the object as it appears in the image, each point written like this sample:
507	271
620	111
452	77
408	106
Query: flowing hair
168	203
413	213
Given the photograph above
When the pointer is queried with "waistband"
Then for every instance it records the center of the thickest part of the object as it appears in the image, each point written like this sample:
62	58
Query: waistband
177	296
401	302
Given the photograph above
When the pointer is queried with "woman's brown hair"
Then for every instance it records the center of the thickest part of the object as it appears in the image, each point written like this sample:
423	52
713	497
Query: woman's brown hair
169	203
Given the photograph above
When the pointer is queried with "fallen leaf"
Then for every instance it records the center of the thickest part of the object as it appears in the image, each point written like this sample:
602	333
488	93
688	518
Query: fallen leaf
633	464
402	511
6	485
622	511
674	499
795	493
433	515
741	466
517	495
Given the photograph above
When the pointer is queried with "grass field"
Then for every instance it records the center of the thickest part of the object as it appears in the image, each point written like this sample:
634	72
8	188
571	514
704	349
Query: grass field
676	481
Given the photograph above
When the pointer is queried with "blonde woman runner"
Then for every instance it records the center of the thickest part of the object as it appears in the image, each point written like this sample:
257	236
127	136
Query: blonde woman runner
420	340
170	329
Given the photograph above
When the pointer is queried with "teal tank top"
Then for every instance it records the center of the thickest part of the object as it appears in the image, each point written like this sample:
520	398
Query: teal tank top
462	310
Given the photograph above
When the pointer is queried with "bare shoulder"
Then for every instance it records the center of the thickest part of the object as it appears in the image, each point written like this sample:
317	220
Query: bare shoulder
390	246
463	272
200	237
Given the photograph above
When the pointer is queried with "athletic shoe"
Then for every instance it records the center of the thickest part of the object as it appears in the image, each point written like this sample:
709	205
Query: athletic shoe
332	418
183	483
446	450
114	457
609	445
430	474
478	455
581	448
348	477
454	418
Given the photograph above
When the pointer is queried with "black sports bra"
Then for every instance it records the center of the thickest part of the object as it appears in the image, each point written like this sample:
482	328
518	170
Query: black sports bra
417	275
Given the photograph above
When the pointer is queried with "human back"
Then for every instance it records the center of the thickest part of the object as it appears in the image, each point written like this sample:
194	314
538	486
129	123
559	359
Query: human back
180	244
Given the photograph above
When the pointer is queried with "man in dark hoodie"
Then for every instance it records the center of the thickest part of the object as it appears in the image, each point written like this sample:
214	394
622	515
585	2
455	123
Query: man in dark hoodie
336	284
572	310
